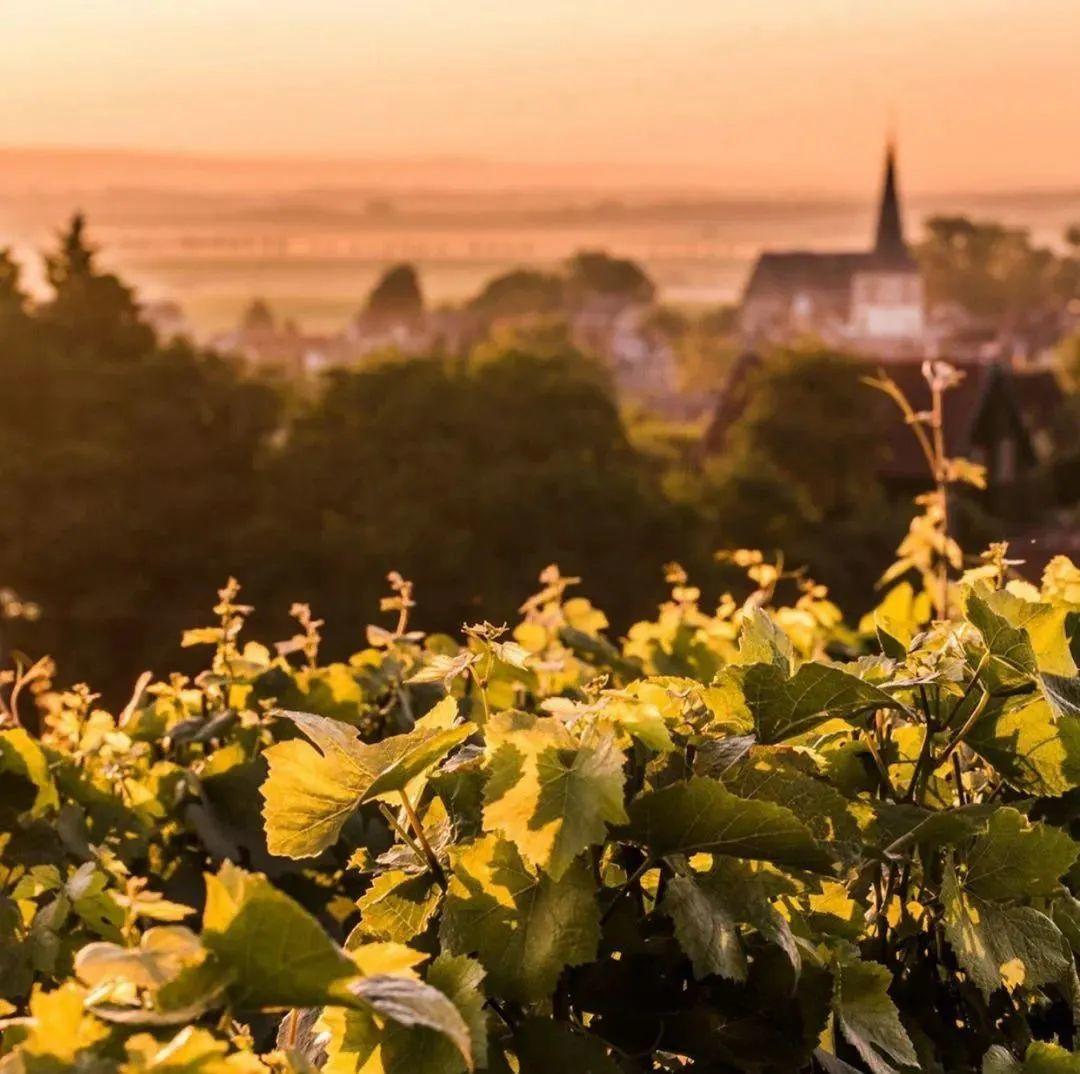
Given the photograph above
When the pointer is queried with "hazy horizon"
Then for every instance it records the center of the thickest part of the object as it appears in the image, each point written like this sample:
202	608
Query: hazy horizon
776	96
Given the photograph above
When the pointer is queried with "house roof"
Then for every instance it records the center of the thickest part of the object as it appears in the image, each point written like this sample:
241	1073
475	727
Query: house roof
988	392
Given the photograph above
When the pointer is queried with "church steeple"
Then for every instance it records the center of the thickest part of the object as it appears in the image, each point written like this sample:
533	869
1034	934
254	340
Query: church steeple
889	243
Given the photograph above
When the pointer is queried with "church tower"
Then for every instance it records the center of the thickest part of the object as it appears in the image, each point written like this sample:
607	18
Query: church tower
889	243
887	302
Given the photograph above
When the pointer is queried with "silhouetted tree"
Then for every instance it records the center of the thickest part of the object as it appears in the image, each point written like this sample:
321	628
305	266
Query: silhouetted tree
396	296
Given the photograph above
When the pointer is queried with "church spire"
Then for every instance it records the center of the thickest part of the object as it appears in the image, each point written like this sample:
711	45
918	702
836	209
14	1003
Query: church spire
890	232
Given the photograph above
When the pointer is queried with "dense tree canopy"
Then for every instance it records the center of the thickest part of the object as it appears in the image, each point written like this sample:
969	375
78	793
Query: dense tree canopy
800	471
994	271
463	474
124	466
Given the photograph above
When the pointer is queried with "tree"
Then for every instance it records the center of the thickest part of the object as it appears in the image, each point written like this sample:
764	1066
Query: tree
593	273
993	271
799	473
258	318
91	310
396	296
462	475
124	469
518	293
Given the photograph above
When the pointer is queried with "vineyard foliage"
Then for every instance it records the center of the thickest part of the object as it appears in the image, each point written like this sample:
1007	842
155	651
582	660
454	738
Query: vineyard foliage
744	839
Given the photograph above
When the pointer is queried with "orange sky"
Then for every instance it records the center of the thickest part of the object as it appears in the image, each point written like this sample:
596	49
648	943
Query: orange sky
764	95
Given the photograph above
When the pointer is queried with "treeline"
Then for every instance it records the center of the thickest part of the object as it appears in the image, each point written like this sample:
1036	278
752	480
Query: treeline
135	476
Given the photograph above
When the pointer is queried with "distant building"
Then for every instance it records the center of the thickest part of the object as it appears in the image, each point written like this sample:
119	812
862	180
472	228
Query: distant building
869	301
620	330
1000	416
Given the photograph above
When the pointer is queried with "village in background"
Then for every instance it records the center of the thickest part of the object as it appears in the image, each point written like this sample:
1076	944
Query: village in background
520	379
895	302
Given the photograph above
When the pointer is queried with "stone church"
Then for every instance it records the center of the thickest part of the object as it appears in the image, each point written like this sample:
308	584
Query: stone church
868	301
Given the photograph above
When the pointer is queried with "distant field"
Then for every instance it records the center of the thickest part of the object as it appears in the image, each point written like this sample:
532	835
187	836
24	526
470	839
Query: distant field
313	254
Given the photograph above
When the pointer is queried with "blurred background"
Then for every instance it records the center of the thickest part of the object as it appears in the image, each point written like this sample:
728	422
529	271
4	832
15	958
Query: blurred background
303	293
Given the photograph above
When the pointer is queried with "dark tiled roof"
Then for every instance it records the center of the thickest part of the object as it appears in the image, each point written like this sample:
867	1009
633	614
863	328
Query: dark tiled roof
789	271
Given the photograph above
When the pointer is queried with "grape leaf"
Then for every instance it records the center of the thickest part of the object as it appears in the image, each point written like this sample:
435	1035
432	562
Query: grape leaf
1041	1057
1035	751
701	815
785	707
869	1019
162	953
21	754
769	773
524	928
397	906
707	909
310	793
761	641
544	1045
1023	637
425	1050
1001	945
274	953
411	1003
1013	859
549	795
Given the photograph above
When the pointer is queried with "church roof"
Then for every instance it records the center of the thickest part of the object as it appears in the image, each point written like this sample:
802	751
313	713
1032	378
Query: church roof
889	245
789	271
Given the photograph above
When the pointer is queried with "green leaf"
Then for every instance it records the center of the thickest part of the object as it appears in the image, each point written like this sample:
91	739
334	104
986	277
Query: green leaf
544	1046
524	928
310	793
701	815
161	955
424	1049
549	795
1014	859
1063	693
1023	637
1008	644
406	1026
785	707
869	1019
770	773
761	641
707	910
1035	751
274	953
398	906
21	754
1001	945
1041	1057
415	1004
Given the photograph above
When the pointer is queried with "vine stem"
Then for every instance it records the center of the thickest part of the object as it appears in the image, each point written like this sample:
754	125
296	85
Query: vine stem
937	425
293	1028
969	723
421	837
632	879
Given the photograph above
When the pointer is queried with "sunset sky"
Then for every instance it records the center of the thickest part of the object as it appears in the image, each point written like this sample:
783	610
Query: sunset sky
763	95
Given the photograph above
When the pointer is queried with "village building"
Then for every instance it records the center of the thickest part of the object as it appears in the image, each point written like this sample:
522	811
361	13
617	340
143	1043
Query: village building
871	301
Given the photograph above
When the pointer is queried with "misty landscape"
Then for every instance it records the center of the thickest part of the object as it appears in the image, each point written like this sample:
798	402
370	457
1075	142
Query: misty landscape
312	236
